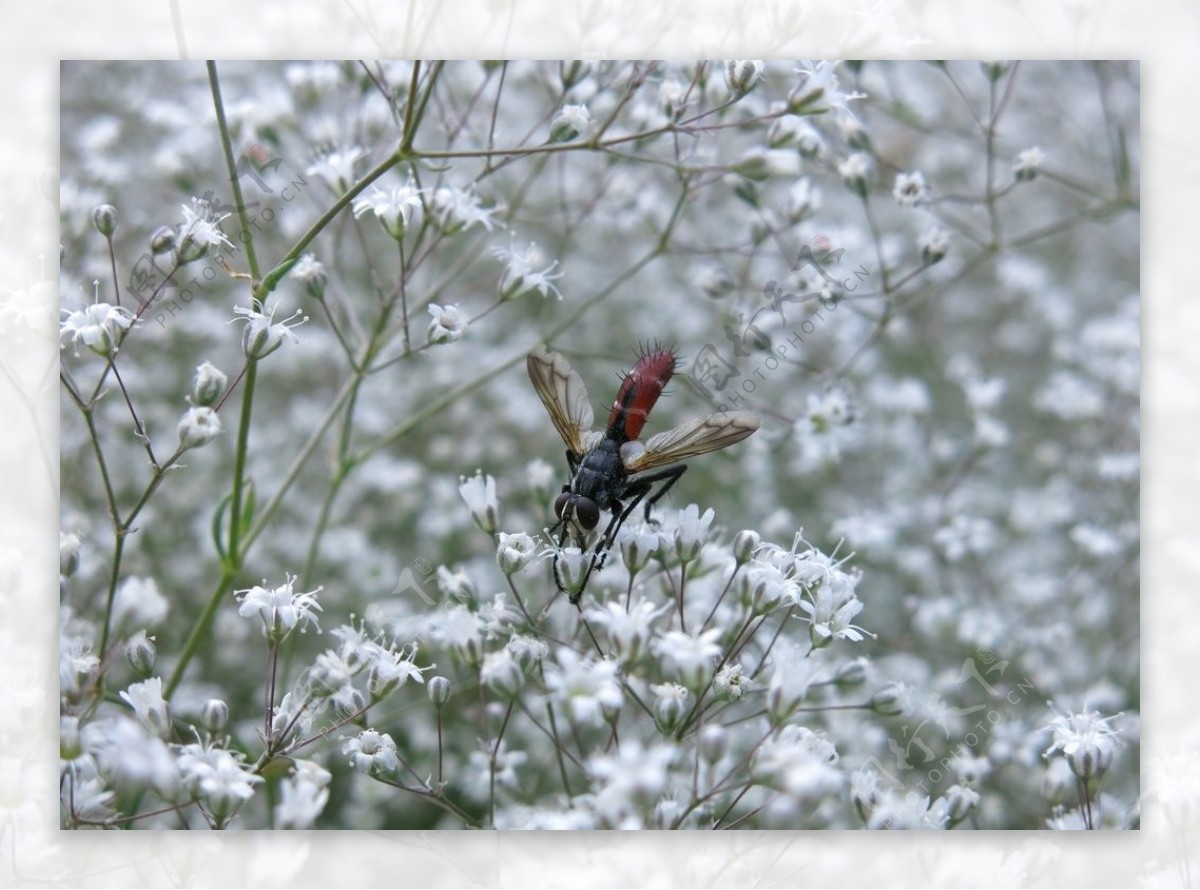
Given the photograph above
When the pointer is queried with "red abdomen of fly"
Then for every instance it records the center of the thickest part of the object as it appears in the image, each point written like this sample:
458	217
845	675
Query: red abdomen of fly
639	391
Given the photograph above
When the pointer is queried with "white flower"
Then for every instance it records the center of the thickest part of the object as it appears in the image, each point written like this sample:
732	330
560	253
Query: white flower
461	630
1028	163
393	208
138	603
514	552
586	687
692	533
502	674
670	703
793	671
302	796
208	385
628	780
458	209
311	272
218	777
447	325
691	655
371	751
100	326
1086	740
934	244
830	609
198	426
855	170
818	90
391	669
479	493
907	811
627	631
637	542
731	682
149	706
200	230
280	609
336	168
262	334
910	189
569	123
798	762
520	277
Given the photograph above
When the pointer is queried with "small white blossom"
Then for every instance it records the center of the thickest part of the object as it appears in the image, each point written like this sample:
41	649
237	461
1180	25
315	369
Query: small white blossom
217	777
448	324
743	75
149	706
138	603
458	209
692	656
571	122
514	552
855	170
336	168
394	208
670	705
1087	741
692	533
100	326
262	334
934	244
586	687
208	385
198	426
1028	163
200	230
280	609
302	796
371	752
479	493
818	90
310	271
731	682
910	189
520	276
628	631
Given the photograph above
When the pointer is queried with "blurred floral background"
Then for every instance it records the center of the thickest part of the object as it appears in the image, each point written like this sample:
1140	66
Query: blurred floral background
915	601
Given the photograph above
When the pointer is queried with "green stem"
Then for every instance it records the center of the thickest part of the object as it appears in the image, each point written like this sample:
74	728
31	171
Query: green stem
198	634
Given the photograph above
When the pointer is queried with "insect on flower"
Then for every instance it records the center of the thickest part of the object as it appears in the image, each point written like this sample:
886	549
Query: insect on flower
612	472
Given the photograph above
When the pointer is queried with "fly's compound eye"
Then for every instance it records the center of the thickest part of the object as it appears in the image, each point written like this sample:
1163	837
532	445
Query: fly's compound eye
560	504
587	512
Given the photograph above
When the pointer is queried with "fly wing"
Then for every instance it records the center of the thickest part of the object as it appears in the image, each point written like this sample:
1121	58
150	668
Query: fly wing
564	395
699	435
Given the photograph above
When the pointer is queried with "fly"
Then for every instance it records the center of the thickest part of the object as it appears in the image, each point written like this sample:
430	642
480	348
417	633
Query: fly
613	472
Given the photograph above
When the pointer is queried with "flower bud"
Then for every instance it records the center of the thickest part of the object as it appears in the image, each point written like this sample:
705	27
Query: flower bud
104	218
852	673
68	554
569	123
311	272
163	240
670	707
208	386
141	654
571	568
70	745
190	250
513	552
502	675
743	75
214	715
439	691
714	741
888	701
745	543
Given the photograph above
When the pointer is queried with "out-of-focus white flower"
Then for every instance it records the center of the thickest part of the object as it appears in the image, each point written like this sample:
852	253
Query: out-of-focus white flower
138	603
68	553
627	781
447	324
670	705
934	244
731	682
571	122
910	189
692	656
100	326
310	271
198	426
302	796
336	168
479	493
502	674
149	706
394	207
280	609
818	90
855	170
628	631
743	75
793	672
458	209
692	532
217	777
799	763
830	609
461	630
1028	163
262	334
585	687
371	752
520	275
208	385
898	811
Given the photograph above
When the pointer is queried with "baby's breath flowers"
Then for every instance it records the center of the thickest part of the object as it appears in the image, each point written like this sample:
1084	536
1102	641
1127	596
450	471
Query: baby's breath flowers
198	426
458	209
1028	163
200	231
280	609
396	208
520	275
447	324
336	168
479	494
1086	740
262	334
100	326
311	272
571	122
743	75
208	385
910	189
